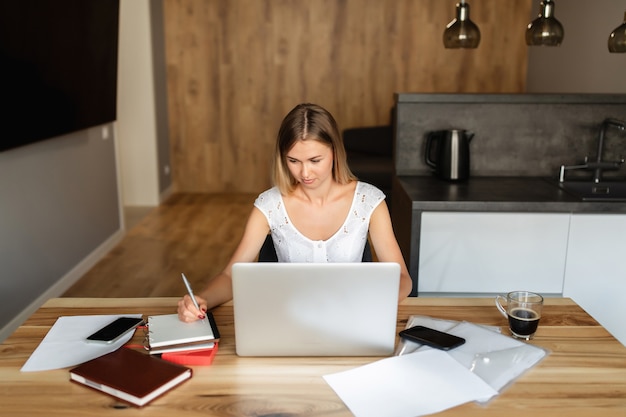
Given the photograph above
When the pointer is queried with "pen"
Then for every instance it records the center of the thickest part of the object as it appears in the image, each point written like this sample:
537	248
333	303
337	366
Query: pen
193	298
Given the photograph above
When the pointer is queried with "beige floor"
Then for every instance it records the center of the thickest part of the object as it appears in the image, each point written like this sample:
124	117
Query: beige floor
191	233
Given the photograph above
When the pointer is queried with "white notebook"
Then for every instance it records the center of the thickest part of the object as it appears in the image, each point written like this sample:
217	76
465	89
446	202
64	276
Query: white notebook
167	332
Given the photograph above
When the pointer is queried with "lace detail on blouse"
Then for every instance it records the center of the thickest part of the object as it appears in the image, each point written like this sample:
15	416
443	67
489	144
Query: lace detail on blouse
346	245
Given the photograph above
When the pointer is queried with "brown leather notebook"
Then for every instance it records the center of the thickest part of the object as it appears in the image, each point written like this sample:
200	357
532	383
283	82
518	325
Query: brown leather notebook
131	376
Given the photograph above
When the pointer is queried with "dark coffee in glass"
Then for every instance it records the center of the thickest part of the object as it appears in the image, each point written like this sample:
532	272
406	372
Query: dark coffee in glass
523	322
523	310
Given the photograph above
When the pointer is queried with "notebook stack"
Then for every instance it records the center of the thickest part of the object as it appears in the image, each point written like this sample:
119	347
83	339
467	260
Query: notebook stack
185	343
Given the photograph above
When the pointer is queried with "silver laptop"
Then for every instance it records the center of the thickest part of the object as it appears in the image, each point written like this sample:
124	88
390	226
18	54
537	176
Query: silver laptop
315	309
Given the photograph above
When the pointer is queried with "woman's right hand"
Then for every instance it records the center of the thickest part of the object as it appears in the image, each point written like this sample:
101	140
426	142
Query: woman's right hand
187	311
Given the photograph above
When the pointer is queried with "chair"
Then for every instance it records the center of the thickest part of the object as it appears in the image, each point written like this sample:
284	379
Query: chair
370	155
268	252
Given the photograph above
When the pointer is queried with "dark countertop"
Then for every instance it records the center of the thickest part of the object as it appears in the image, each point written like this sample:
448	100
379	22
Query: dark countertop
512	194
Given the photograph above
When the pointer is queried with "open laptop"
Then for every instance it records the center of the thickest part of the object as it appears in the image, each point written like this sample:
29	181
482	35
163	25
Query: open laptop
315	309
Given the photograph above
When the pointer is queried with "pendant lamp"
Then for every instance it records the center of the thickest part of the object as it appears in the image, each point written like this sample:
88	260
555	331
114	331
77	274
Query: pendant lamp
461	32
617	38
545	29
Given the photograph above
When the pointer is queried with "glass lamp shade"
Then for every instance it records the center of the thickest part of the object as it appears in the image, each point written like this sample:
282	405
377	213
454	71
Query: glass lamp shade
545	29
461	32
617	38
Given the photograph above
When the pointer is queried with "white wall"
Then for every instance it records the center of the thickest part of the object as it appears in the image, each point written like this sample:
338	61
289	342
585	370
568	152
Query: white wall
136	117
59	214
583	63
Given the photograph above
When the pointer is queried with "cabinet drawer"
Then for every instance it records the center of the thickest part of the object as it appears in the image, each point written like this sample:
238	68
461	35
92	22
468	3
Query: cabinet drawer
595	275
488	253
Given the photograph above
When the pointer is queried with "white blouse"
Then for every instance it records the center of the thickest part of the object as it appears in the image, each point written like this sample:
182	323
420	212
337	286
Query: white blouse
346	245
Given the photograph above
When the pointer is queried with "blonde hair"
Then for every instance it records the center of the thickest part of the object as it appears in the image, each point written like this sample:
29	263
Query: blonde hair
308	121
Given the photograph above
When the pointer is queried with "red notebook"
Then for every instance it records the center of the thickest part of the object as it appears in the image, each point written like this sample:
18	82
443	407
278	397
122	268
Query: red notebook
195	357
131	376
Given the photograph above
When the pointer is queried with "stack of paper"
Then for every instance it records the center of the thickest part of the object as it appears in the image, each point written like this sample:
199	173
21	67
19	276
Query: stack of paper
65	344
422	380
416	384
497	359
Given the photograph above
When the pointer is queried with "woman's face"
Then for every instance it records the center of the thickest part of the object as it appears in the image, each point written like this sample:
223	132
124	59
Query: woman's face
310	162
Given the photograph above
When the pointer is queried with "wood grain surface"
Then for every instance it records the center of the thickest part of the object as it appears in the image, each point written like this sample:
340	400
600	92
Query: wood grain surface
236	67
584	375
195	234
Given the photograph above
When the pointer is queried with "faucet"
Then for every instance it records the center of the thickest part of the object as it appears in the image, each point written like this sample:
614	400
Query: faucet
597	174
598	165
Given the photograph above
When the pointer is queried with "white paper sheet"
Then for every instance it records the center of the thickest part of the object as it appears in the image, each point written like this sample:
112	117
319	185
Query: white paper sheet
416	384
65	344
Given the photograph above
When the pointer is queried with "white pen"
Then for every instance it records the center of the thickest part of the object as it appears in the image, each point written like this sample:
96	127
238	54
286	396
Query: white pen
193	298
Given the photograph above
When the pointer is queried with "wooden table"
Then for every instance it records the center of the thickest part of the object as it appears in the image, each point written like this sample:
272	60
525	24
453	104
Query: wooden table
585	374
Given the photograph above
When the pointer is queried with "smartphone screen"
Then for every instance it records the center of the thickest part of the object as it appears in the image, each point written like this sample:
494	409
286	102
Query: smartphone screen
432	337
114	330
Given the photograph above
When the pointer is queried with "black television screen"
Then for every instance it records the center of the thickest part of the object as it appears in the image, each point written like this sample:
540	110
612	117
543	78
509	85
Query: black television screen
58	67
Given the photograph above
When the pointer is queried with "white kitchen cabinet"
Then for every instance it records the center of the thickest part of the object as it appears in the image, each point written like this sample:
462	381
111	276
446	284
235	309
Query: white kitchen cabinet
487	253
595	274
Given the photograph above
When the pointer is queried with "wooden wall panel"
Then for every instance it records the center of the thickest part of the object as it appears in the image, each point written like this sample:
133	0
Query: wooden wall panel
236	67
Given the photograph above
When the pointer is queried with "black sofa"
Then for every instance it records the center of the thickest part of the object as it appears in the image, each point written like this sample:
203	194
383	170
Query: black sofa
370	155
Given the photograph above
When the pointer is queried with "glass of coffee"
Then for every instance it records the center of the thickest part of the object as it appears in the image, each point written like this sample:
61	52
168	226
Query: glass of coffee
523	310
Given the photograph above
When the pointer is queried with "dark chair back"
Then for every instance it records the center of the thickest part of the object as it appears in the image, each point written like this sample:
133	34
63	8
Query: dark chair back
268	252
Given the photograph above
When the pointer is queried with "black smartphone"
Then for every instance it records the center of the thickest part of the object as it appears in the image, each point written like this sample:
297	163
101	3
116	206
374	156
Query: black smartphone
432	337
114	330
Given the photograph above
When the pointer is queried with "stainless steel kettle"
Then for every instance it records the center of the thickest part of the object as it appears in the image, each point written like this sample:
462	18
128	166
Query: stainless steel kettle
451	153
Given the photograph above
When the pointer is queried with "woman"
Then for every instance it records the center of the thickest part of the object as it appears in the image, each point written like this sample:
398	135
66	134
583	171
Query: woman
316	212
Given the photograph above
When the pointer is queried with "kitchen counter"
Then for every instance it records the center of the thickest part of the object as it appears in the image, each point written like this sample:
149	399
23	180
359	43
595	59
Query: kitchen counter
495	194
413	195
